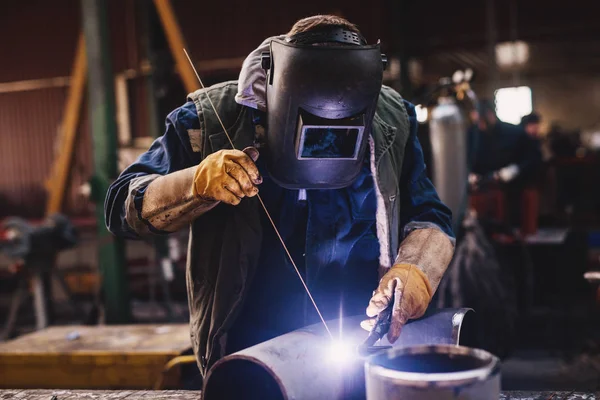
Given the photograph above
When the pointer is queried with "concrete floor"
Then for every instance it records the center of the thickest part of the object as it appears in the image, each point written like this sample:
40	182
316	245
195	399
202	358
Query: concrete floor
536	370
557	350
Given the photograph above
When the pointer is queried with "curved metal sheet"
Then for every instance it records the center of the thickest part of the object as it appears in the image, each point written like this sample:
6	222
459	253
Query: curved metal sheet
307	364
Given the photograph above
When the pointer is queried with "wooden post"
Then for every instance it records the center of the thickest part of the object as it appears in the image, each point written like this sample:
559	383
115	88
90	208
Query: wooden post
58	179
177	44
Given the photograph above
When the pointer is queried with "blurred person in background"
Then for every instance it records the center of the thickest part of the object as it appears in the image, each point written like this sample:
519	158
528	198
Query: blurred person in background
500	151
503	153
531	123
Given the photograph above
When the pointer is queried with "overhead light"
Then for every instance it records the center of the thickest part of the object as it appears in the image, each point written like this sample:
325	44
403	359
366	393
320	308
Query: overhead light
458	76
513	103
468	74
512	54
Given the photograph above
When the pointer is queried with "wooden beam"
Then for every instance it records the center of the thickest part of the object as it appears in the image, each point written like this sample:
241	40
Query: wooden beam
123	112
34	84
218	64
57	182
176	44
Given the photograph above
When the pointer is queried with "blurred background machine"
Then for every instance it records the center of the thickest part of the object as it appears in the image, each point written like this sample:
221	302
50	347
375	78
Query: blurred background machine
33	250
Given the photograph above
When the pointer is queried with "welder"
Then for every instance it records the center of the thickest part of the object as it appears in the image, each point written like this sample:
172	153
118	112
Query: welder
336	158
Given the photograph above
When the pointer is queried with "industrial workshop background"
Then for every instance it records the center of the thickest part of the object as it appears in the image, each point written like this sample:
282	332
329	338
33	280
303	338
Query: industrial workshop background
67	127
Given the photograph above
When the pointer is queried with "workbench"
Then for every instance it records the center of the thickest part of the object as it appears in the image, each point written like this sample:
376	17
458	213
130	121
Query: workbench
189	395
93	357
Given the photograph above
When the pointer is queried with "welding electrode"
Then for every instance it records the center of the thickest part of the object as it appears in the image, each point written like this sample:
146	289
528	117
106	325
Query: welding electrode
381	327
310	296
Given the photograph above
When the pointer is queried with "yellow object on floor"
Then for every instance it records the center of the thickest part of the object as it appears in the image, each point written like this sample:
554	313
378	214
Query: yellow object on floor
93	357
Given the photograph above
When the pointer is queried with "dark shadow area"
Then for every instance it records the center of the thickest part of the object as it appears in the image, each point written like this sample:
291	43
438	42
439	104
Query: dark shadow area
468	330
241	379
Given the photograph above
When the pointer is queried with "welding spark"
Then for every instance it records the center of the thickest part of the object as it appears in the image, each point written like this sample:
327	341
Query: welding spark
341	352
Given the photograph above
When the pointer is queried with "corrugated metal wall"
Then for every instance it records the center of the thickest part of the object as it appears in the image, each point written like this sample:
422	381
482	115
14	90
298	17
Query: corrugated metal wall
28	125
40	41
214	29
43	37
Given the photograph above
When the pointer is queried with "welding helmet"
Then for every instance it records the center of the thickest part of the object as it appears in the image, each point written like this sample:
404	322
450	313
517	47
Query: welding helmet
321	101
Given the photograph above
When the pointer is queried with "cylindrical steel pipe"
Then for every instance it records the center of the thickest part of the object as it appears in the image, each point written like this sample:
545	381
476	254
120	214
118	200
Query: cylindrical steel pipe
438	372
307	364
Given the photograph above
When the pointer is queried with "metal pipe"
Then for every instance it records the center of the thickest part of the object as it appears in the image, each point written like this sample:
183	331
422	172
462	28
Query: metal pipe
307	364
439	372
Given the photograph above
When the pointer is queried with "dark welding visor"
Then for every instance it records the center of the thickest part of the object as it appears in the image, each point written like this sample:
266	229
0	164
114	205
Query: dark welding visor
324	138
321	102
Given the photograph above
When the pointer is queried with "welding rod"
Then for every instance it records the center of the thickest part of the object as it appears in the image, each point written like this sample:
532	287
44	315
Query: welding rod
263	205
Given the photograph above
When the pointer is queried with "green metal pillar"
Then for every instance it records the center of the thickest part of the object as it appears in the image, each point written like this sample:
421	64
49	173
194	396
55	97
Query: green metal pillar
101	101
150	24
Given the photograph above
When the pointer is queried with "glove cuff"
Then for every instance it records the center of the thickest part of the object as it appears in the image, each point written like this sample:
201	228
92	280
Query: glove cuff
168	203
414	277
430	250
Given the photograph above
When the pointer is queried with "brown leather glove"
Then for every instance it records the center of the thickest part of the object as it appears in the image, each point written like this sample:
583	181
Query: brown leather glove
228	176
411	291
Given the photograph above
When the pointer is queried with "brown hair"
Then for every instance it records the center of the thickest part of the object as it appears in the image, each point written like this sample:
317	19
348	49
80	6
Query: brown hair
320	21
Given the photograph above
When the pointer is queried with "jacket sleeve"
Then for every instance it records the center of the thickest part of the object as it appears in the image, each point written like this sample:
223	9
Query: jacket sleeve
169	155
426	223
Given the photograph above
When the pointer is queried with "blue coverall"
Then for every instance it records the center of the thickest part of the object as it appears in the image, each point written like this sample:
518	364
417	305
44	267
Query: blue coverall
331	233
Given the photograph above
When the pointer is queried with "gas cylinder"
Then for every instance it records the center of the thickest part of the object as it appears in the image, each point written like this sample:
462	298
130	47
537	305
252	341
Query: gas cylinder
448	135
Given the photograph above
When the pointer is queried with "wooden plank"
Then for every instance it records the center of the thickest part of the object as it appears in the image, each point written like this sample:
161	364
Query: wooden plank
10	394
518	395
123	113
38	394
125	339
34	84
59	176
176	44
87	357
44	394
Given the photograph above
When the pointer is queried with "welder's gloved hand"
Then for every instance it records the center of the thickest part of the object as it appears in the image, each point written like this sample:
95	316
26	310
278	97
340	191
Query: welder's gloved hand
507	174
411	292
228	176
